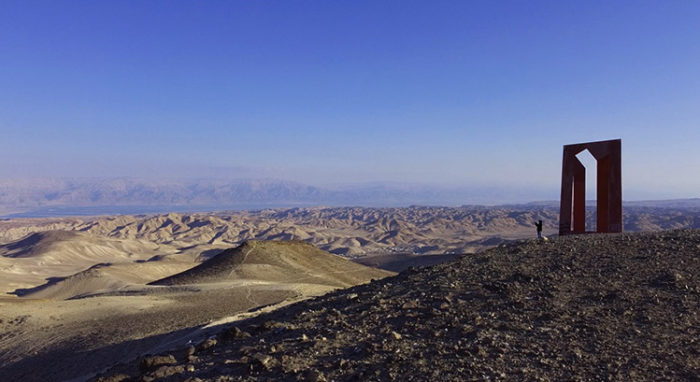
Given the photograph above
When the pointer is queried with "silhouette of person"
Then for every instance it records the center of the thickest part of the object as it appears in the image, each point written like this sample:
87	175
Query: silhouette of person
539	229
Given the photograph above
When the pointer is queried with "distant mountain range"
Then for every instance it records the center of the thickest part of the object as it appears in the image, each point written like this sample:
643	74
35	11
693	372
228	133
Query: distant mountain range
89	196
108	196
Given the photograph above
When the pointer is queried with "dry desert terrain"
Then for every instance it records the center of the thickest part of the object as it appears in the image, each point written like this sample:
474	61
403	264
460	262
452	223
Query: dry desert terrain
82	294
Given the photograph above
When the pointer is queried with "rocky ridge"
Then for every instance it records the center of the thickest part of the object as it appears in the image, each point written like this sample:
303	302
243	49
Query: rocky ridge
588	307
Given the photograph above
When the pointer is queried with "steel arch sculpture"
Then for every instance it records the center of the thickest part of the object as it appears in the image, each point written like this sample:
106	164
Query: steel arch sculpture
572	213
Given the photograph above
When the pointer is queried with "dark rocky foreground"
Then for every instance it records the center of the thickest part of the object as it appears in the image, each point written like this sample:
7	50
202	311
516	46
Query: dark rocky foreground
591	307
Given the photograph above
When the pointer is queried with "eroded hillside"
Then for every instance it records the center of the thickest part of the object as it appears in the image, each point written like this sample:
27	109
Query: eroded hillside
352	232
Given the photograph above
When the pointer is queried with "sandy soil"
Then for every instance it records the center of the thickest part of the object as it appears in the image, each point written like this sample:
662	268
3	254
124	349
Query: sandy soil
76	326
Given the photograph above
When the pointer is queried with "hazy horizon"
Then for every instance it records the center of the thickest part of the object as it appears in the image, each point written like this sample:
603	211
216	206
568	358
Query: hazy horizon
46	197
336	95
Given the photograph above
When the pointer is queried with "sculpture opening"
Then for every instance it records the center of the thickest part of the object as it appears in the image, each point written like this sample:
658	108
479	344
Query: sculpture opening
572	212
590	164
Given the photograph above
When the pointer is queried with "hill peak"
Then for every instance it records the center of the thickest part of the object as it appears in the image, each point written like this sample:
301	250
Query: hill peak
276	261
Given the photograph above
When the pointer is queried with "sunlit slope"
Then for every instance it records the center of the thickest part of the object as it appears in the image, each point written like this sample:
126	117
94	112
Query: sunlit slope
103	278
277	261
44	261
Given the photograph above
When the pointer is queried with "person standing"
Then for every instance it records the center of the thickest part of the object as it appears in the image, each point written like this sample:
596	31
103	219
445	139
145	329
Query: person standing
539	229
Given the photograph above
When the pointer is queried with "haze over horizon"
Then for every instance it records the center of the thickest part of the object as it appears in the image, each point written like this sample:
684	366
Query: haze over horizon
443	95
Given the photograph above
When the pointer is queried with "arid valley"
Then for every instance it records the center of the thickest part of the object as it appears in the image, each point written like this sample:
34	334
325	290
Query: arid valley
85	294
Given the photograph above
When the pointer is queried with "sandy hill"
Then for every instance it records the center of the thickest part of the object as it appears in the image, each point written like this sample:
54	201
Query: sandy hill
45	259
103	278
277	261
37	244
590	307
72	246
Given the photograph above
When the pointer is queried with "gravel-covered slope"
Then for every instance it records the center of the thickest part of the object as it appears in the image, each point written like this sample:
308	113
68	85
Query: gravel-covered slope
591	307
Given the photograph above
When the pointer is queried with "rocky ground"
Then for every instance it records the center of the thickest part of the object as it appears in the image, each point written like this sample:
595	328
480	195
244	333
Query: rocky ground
590	307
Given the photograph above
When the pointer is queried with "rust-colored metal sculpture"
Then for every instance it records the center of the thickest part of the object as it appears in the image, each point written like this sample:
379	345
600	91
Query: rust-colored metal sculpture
608	155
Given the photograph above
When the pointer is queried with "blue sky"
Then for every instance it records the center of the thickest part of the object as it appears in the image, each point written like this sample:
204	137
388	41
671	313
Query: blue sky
335	92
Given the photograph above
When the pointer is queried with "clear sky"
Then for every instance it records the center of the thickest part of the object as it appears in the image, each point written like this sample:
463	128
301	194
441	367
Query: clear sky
328	92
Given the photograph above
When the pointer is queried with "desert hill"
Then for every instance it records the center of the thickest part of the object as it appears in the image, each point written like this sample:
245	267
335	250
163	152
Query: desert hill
109	312
276	261
69	246
42	259
589	307
103	278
